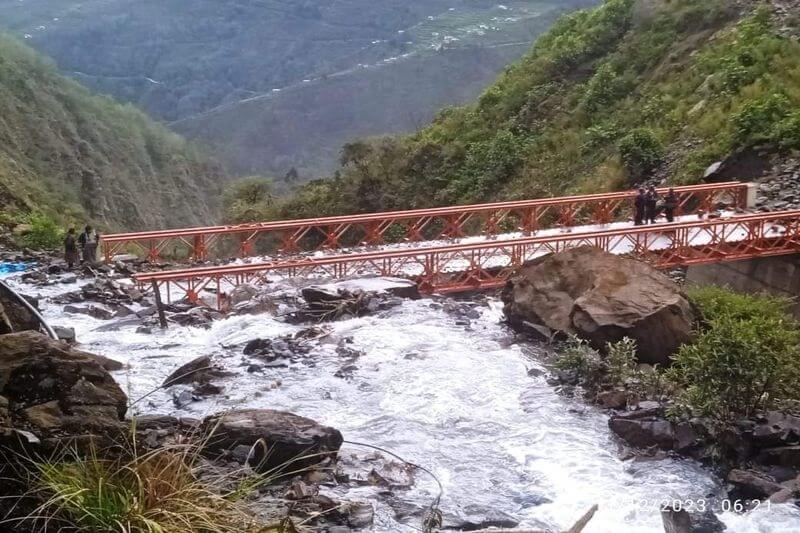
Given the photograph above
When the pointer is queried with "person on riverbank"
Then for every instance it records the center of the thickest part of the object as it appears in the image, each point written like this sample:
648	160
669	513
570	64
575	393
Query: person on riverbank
670	205
94	245
88	241
638	207
71	255
651	205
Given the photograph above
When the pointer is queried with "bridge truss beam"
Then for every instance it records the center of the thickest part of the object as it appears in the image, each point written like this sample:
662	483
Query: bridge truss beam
490	264
294	236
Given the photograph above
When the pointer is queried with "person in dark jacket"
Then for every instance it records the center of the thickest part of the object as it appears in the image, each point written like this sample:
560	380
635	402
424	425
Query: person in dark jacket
71	255
638	207
651	205
88	245
670	205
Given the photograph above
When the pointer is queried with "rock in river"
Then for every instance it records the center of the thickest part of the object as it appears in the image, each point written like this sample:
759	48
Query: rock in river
201	370
276	439
53	387
602	298
681	521
14	314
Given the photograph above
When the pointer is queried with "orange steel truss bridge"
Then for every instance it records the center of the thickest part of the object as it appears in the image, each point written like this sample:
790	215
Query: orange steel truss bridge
294	236
491	263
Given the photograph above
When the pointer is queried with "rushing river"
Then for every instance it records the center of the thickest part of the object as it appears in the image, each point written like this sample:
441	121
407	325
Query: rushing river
456	398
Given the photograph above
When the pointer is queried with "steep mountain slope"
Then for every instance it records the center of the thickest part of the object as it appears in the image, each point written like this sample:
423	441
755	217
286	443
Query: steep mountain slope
633	90
304	126
179	59
65	151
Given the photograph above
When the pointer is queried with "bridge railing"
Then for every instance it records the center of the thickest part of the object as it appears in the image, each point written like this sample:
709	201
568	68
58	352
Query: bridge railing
490	264
526	217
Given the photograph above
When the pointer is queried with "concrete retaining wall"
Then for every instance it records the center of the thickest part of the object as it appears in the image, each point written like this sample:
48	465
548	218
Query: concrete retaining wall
775	275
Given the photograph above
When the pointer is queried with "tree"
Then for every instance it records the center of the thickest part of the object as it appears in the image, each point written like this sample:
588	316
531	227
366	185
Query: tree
291	177
641	153
249	199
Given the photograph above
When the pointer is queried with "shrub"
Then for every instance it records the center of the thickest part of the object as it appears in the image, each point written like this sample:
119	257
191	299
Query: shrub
621	361
714	301
44	233
605	88
756	121
787	132
488	165
746	358
576	356
641	152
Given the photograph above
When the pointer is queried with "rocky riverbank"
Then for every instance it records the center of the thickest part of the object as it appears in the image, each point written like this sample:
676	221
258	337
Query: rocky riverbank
252	440
437	380
54	398
56	401
606	299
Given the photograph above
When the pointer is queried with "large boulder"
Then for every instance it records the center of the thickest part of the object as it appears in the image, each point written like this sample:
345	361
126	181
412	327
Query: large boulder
602	298
52	388
271	440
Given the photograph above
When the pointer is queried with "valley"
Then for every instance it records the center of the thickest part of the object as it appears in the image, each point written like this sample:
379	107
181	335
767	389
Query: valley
268	86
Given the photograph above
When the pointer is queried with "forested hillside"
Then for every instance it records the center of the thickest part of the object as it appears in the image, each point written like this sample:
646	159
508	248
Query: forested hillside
631	91
275	85
76	156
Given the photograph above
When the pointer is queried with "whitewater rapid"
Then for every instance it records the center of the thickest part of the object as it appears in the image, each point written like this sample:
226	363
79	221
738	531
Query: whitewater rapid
464	400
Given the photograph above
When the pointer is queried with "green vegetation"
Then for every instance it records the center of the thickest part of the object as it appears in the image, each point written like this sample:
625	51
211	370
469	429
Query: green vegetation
127	490
580	359
607	97
42	232
746	357
155	493
641	152
248	199
74	156
621	361
617	368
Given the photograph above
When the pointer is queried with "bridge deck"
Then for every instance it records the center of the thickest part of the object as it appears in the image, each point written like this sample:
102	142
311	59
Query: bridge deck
489	263
293	236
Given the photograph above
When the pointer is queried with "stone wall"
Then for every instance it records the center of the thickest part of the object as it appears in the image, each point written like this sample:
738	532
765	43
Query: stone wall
777	275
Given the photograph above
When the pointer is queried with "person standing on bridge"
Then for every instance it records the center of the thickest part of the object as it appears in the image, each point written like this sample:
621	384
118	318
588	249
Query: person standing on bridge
670	205
71	255
651	205
638	207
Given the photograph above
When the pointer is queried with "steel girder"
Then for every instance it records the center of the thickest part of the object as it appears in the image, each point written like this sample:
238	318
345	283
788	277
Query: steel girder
488	264
294	236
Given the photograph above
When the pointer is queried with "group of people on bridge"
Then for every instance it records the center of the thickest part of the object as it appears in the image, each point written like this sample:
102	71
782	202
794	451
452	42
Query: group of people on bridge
648	205
81	249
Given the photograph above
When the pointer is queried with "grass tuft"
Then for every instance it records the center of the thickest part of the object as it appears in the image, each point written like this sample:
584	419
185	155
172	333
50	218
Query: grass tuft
126	490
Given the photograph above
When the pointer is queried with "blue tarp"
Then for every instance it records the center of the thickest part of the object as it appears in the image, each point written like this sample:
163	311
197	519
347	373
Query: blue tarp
8	268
